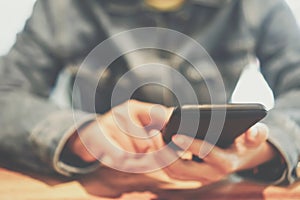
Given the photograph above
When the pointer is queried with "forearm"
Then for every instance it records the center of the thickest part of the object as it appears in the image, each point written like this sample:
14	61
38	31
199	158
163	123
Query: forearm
34	132
278	49
76	146
284	136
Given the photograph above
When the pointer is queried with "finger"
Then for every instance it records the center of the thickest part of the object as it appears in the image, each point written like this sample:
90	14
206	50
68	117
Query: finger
113	135
200	148
256	135
140	163
144	142
157	139
193	171
157	115
187	169
121	154
126	144
151	116
240	139
165	155
106	150
131	134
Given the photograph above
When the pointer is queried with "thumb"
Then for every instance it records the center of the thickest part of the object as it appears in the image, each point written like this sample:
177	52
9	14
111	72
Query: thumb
256	135
157	139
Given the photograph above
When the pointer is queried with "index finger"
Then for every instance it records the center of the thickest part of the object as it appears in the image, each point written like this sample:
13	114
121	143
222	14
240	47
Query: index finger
204	150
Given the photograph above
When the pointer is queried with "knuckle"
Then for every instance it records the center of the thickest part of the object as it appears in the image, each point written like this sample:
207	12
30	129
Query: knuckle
217	176
227	167
172	176
134	101
172	173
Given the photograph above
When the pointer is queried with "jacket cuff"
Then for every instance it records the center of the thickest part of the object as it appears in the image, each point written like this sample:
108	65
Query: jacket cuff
51	135
288	156
282	169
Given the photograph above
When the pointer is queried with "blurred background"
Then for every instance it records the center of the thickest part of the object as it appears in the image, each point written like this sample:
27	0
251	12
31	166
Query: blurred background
13	14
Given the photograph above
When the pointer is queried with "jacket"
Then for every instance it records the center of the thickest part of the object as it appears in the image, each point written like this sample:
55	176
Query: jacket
60	34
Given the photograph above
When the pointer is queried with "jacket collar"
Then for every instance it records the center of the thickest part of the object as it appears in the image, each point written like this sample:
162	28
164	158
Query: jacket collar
212	3
131	6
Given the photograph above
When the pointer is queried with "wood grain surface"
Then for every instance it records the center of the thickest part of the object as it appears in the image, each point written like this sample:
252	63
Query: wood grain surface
110	184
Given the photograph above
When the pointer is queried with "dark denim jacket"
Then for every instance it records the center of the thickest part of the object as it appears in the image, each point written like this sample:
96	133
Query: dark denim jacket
61	33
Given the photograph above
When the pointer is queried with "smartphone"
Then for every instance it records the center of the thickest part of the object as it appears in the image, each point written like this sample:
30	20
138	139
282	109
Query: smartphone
208	122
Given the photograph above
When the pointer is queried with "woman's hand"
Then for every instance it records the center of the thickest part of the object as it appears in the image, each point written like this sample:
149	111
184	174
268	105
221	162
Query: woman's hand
248	151
121	137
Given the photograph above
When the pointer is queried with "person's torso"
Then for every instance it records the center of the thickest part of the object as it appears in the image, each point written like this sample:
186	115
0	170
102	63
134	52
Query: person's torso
221	28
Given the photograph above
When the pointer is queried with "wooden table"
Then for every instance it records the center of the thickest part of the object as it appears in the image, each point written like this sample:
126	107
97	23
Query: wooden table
110	184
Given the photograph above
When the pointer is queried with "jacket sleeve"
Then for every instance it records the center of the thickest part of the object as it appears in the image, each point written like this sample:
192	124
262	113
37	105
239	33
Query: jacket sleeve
278	50
33	130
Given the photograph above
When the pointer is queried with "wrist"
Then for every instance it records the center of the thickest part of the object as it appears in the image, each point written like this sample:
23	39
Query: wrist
270	170
77	147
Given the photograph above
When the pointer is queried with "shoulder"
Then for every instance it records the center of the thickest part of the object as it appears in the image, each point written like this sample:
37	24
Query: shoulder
257	12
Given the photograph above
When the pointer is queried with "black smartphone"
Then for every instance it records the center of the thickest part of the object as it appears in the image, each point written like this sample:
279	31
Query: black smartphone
226	121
